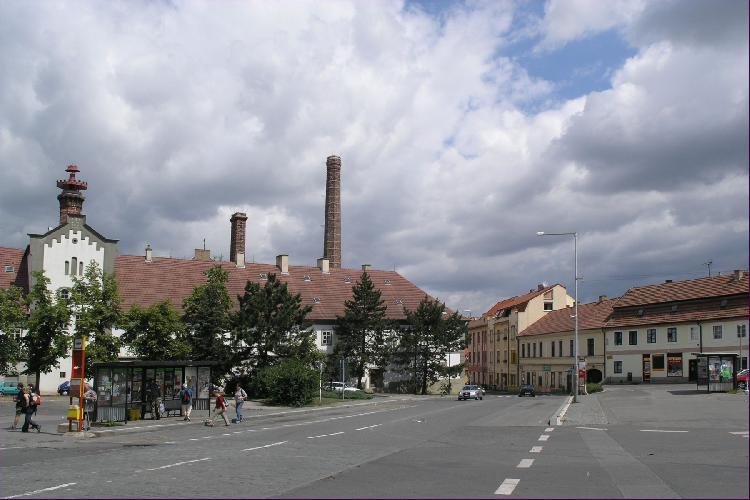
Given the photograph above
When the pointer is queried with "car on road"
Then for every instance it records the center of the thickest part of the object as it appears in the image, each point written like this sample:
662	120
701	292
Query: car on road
64	388
9	388
470	392
526	390
339	386
742	379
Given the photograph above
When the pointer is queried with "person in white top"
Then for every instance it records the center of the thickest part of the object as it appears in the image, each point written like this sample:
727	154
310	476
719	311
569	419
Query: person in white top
89	400
239	399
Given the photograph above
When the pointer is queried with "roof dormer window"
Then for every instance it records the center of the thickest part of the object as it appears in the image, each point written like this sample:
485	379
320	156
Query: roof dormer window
306	277
10	269
674	308
316	300
263	276
386	281
347	279
723	303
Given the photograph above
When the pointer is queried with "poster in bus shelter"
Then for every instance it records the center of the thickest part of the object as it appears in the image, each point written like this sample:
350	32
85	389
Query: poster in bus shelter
204	382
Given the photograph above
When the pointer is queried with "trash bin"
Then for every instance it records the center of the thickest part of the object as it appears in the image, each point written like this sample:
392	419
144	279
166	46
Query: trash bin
74	412
134	414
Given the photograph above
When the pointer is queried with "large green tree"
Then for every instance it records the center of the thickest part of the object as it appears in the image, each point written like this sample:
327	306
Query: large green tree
156	332
95	301
206	317
429	335
360	330
271	325
47	339
12	319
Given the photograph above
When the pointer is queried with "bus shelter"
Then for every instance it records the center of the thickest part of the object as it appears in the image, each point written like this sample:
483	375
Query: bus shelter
717	371
121	386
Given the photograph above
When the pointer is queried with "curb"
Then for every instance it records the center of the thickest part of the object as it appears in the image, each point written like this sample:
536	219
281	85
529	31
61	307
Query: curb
560	413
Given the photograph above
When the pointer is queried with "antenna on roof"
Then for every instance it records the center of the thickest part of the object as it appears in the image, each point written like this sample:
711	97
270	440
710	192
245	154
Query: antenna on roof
708	264
204	243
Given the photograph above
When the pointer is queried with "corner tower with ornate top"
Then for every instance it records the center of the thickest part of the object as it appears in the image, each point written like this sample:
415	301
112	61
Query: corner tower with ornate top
71	199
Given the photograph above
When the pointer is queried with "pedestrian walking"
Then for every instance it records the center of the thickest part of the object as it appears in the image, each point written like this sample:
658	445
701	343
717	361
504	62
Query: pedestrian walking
153	397
239	399
186	401
89	404
220	408
19	406
30	408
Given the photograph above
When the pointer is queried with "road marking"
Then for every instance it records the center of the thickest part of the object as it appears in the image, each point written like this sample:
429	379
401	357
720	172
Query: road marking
544	437
170	442
13	448
265	446
525	463
507	487
659	430
237	432
180	463
592	428
743	433
549	429
325	435
193	439
536	449
368	427
51	488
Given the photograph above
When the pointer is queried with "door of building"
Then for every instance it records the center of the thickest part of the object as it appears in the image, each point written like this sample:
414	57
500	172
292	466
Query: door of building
692	370
647	368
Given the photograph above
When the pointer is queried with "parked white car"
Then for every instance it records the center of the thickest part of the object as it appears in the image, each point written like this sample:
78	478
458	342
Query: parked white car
339	386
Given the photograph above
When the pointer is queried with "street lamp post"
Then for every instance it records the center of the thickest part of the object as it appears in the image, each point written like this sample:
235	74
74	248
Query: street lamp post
575	280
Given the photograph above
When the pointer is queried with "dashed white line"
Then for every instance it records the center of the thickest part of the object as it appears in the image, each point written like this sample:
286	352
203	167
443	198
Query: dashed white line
544	437
592	428
51	488
180	463
536	449
265	446
507	487
549	429
368	427
659	430
325	435
193	439
13	448
525	463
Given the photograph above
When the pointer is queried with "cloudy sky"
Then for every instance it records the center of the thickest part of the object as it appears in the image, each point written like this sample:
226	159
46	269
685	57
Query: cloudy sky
463	127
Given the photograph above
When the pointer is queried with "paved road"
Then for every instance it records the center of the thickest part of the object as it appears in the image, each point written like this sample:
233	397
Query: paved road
404	447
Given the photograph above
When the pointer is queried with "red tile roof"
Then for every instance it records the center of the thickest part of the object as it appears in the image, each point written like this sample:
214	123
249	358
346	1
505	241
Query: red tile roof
145	283
518	300
593	315
691	311
17	259
716	286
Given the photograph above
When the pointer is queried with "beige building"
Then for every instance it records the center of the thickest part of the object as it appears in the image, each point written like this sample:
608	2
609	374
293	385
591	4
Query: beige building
546	347
656	332
492	352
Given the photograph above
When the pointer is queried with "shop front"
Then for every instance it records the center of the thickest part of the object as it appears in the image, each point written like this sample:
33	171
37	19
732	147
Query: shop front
717	371
121	386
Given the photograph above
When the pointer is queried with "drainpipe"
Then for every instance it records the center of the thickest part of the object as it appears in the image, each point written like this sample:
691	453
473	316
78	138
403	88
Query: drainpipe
604	342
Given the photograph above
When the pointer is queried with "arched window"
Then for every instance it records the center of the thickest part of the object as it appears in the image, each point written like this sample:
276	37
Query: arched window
73	265
64	293
80	269
67	267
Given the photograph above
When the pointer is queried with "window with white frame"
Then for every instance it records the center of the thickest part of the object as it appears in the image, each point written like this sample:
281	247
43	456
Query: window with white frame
618	338
548	302
742	331
326	338
618	366
651	336
672	334
633	337
694	335
718	332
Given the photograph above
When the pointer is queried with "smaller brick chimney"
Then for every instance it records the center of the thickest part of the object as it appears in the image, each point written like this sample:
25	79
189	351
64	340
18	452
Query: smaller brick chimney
237	243
202	254
282	262
324	265
149	253
602	298
738	274
366	267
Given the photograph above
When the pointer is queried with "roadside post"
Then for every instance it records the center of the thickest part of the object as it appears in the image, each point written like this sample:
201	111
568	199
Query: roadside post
78	372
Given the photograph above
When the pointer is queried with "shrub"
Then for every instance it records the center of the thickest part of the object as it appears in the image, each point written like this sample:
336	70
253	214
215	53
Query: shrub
349	395
291	383
593	388
401	387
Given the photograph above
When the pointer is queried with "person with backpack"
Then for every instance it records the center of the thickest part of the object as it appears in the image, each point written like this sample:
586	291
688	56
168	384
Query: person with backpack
89	402
35	398
239	399
19	406
29	408
186	401
219	409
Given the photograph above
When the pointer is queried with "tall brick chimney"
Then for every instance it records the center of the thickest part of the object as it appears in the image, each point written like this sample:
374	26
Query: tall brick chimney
332	235
237	244
71	199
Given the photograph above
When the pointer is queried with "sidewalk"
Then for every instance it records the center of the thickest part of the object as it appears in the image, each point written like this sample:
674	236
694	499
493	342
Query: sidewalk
587	411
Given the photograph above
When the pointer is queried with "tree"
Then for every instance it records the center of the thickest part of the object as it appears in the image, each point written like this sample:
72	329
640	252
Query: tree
206	317
360	329
95	301
12	318
270	325
47	339
429	335
156	332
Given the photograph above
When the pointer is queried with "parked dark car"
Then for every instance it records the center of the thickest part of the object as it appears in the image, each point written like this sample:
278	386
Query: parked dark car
64	388
527	390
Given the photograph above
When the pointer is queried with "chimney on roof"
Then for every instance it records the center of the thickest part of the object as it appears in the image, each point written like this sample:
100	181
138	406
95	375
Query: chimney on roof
366	267
541	286
332	232
71	199
667	281
738	274
202	254
324	265
237	240
148	253
282	262
602	298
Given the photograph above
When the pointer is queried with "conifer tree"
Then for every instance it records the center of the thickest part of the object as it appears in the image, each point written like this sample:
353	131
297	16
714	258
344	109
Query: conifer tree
12	319
206	317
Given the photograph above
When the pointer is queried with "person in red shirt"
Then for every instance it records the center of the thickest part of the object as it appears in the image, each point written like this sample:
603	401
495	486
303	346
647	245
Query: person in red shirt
220	408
